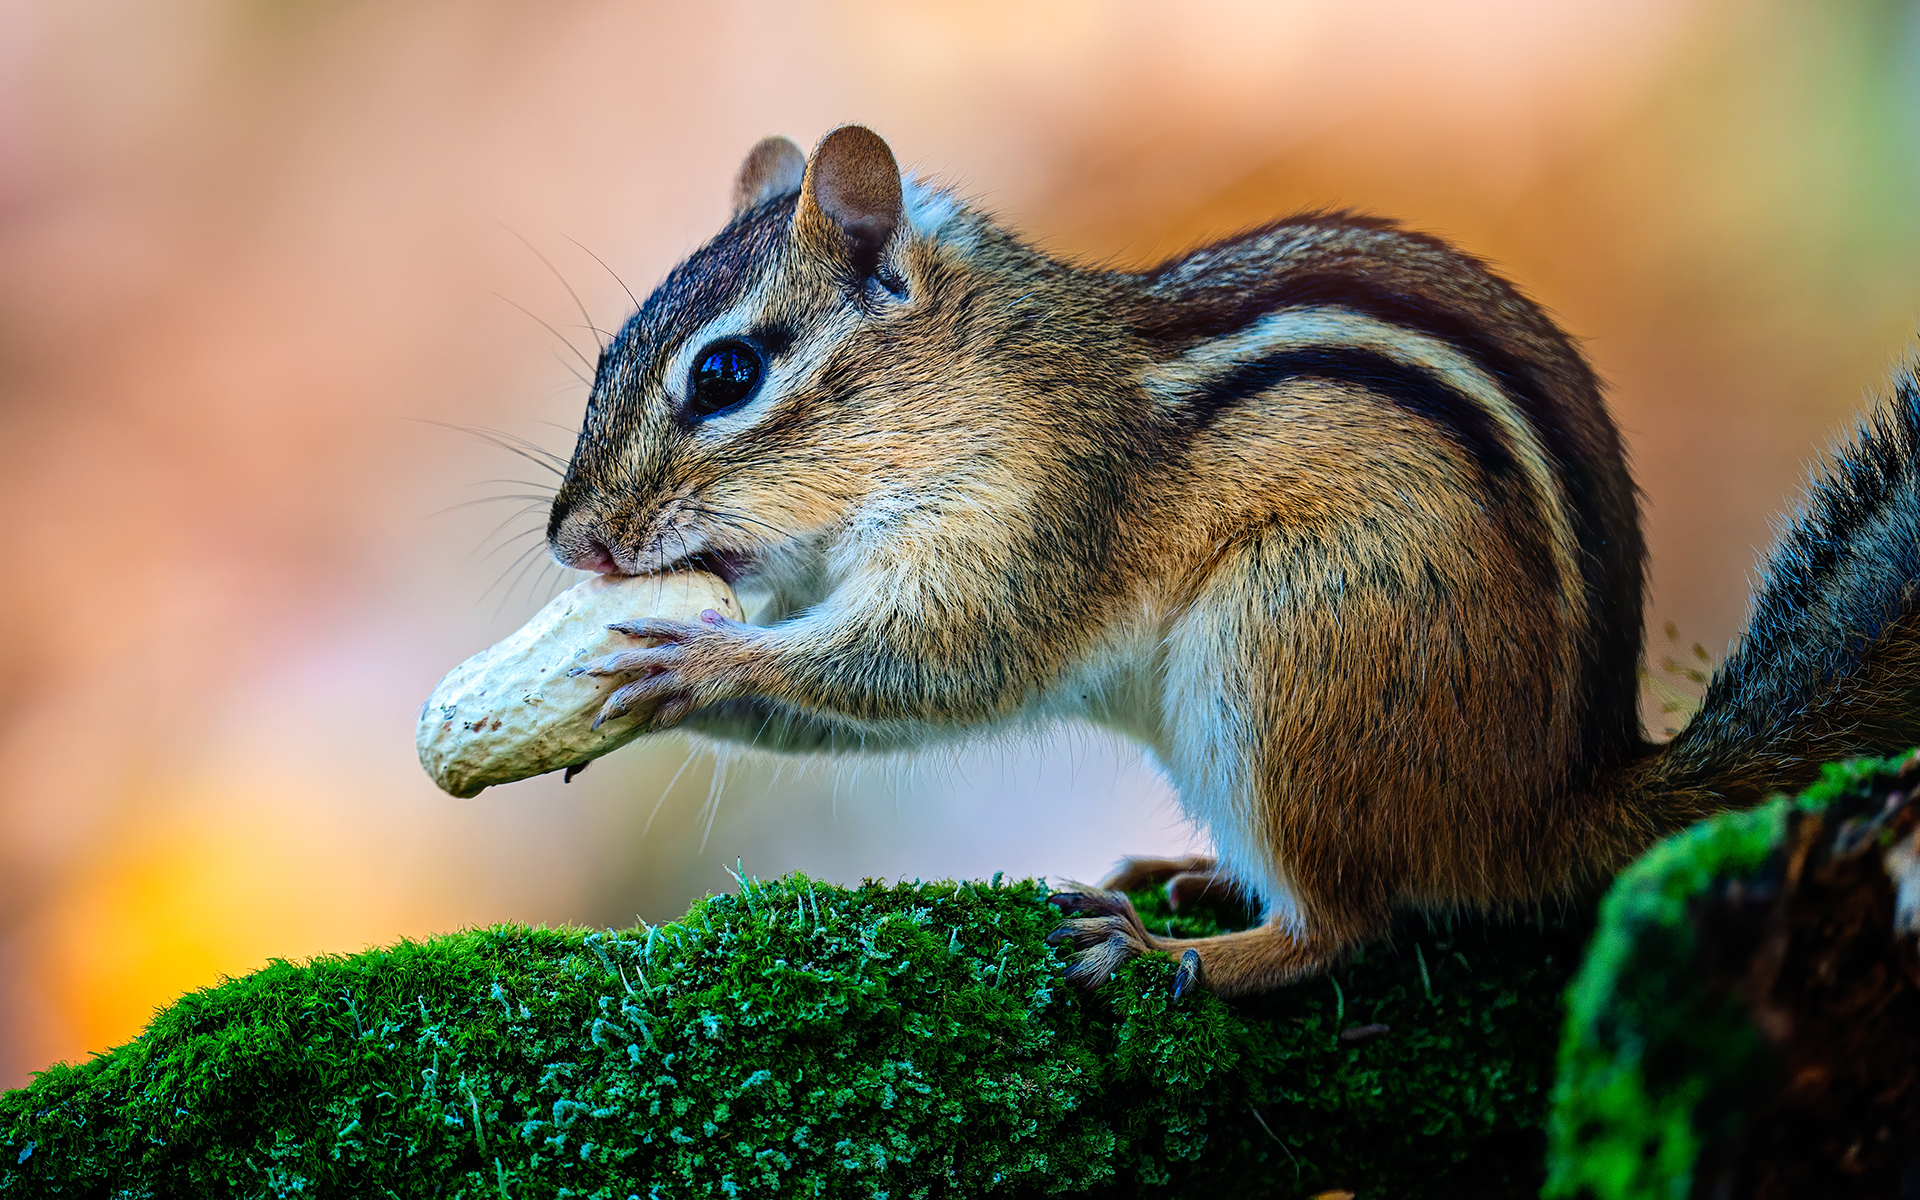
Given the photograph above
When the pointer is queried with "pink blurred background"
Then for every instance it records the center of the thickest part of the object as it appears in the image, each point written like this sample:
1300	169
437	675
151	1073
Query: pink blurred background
246	248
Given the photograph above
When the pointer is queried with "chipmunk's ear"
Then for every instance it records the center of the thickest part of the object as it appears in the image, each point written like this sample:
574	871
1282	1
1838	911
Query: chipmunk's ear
774	167
850	199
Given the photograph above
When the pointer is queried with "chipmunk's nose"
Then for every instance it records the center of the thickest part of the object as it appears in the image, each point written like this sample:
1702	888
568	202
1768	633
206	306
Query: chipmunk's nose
595	557
581	545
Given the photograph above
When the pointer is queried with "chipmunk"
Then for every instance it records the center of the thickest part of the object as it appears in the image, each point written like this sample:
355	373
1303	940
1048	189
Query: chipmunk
1327	516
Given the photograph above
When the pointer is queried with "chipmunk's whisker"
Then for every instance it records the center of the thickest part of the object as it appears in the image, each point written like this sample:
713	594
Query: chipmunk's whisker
534	453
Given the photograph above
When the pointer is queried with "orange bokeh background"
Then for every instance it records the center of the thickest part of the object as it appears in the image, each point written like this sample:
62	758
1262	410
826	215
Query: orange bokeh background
248	249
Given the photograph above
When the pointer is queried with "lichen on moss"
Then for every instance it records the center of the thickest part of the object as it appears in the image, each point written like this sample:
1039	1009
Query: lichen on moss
796	1038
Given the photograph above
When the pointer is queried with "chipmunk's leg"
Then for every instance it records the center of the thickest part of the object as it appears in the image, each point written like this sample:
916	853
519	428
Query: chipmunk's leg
752	721
1193	879
1135	873
1277	667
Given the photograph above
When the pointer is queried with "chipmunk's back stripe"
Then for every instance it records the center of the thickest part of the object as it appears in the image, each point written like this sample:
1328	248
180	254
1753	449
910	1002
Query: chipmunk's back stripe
1596	493
1533	396
1458	415
1530	393
1372	268
1462	418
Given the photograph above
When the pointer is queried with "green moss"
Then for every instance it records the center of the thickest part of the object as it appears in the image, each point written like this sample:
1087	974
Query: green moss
1657	1060
802	1039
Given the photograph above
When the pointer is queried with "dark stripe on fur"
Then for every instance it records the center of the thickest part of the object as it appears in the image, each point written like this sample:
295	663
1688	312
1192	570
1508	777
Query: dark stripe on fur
702	287
1412	389
692	294
1419	283
1461	418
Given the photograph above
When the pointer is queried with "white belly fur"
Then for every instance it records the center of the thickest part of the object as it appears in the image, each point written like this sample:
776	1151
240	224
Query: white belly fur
1166	694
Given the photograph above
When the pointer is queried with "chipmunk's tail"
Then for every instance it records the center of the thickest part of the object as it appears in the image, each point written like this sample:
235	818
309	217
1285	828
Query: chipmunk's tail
1829	665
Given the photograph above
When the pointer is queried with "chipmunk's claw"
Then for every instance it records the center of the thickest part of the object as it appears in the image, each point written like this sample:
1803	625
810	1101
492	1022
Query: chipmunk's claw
1188	975
658	629
665	631
654	688
633	662
661	665
1104	932
617	706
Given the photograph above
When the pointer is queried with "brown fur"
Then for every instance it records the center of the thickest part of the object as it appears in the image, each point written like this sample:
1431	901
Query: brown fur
1328	516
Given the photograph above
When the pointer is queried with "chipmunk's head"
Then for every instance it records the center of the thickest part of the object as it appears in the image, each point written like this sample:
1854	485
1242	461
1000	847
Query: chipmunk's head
732	417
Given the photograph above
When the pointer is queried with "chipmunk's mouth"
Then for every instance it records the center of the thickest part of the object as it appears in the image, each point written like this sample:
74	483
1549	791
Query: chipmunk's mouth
729	565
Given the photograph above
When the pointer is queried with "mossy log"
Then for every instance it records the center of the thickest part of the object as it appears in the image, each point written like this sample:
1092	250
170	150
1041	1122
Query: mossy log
1747	1022
795	1038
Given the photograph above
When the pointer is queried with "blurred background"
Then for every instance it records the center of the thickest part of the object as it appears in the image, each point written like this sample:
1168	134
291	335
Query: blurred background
249	247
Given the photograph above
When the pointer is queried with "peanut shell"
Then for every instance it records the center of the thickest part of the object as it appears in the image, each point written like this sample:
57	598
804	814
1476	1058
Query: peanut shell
512	711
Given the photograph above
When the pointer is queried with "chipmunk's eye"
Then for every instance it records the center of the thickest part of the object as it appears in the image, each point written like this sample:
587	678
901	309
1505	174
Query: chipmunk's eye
724	374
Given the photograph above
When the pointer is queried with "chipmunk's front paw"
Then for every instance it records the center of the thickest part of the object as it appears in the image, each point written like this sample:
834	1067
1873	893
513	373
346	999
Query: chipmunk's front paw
692	664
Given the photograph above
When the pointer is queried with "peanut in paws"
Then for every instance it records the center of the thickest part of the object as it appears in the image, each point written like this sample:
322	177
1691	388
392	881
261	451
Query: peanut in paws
523	706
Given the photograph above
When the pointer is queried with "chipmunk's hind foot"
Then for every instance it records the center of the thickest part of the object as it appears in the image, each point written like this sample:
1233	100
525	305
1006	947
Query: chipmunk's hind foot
1195	879
1135	874
1105	932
